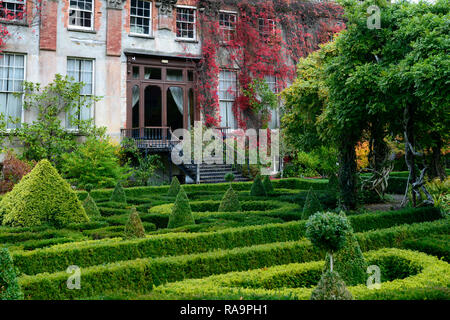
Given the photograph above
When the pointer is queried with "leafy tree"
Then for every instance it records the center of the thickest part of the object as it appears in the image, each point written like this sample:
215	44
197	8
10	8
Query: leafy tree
181	214
118	194
9	286
46	137
134	227
93	162
230	202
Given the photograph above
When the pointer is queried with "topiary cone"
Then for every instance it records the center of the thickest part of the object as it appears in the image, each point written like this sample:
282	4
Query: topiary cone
118	194
174	188
181	212
268	184
9	286
42	197
258	189
230	202
312	205
91	207
331	287
134	227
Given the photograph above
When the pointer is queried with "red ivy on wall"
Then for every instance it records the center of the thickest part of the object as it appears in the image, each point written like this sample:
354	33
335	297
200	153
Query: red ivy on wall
269	39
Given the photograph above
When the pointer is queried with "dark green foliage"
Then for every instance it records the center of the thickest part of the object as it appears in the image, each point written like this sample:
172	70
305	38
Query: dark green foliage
42	197
258	189
9	287
181	213
118	194
438	246
327	231
174	187
312	205
134	227
229	177
331	287
349	262
91	207
268	184
230	202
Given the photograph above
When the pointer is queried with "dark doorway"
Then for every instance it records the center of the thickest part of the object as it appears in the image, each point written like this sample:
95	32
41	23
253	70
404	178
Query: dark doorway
175	108
153	106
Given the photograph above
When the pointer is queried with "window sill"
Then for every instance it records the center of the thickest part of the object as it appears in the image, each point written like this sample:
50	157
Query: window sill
71	29
20	23
137	35
186	40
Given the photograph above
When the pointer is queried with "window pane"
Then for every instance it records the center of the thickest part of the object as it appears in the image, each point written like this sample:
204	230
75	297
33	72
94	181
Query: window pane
152	73
174	75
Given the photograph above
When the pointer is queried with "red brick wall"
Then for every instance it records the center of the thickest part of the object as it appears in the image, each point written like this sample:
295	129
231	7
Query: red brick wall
114	33
48	29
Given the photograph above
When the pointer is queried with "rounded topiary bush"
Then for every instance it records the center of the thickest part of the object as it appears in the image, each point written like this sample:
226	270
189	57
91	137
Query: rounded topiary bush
331	287
134	227
91	207
118	194
268	184
229	177
230	202
42	197
9	286
258	189
312	205
174	188
181	214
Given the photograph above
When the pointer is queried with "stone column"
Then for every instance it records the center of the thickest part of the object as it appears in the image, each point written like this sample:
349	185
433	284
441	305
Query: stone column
114	28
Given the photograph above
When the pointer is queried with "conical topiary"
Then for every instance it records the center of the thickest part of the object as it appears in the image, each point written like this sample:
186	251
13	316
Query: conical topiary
9	286
118	194
174	188
258	189
230	202
134	227
312	205
91	207
181	212
331	287
349	261
268	184
42	197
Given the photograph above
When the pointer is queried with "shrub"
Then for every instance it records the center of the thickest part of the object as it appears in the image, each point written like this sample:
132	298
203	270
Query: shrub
118	194
134	227
258	189
349	262
174	188
268	185
181	213
9	287
331	287
93	162
42	197
12	172
229	177
91	207
312	205
230	202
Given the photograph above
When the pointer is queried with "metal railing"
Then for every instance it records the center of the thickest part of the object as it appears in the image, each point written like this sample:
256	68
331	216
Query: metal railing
149	137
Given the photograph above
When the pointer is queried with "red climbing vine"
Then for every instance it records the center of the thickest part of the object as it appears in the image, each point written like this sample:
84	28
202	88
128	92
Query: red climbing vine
267	38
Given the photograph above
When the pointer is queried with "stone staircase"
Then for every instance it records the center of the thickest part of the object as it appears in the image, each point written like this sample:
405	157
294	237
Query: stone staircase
213	173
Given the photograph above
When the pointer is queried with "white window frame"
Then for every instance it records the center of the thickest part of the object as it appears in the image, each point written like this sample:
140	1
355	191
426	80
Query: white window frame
193	23
17	2
22	110
92	108
225	28
229	99
266	33
150	18
76	27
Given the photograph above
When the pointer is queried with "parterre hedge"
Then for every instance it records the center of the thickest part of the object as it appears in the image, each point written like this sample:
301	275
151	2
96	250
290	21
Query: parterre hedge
86	254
